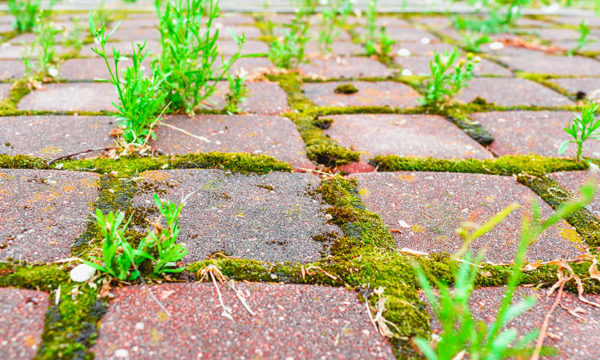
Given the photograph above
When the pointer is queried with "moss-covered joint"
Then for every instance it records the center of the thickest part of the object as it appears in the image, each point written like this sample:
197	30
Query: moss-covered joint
586	224
234	162
504	165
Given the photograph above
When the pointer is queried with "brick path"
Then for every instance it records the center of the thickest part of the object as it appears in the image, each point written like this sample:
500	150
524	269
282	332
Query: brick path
303	258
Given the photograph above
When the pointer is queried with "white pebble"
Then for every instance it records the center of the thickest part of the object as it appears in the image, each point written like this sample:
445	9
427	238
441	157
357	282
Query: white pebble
496	45
406	72
404	52
121	353
82	273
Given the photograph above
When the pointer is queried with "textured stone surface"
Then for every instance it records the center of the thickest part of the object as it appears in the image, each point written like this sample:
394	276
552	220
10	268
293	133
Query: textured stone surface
404	135
420	49
54	136
268	135
572	181
71	97
270	217
5	90
532	132
553	64
22	314
419	65
11	69
383	93
337	48
573	338
229	47
352	67
512	92
92	69
291	321
264	98
426	208
584	85
43	211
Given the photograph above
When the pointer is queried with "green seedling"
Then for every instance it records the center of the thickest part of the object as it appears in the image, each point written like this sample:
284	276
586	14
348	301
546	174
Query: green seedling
26	13
377	40
119	259
497	16
44	46
289	50
189	52
583	40
472	41
328	29
237	91
163	240
447	79
74	38
584	127
141	98
159	248
462	336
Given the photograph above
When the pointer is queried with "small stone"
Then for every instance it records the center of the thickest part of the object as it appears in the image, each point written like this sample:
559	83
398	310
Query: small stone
273	276
82	273
404	52
121	353
496	45
406	72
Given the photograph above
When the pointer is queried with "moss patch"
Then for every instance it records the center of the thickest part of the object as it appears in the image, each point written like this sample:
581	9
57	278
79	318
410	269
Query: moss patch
346	89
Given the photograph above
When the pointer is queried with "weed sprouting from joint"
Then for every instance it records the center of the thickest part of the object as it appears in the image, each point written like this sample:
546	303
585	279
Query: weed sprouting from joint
122	261
332	18
584	127
26	13
140	97
237	91
462	336
74	37
189	52
449	76
378	42
44	46
288	50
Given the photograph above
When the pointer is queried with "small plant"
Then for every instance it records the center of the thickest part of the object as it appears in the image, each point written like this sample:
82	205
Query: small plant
446	79
74	38
44	46
582	41
378	42
472	41
583	128
237	91
189	52
26	13
289	50
328	30
159	248
464	337
140	97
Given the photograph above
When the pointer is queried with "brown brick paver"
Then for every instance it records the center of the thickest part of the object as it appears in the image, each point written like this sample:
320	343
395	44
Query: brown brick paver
512	92
71	97
381	93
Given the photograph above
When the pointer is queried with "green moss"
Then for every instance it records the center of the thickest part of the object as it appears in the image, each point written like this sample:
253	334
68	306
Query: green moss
505	165
345	89
235	162
586	224
72	326
291	83
22	162
18	91
38	277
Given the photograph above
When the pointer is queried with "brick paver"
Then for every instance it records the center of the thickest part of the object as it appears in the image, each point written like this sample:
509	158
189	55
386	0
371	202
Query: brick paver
419	65
424	210
71	97
351	67
382	93
43	212
290	321
585	86
404	135
553	64
512	92
270	217
264	98
54	136
531	132
572	181
22	314
11	69
269	135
